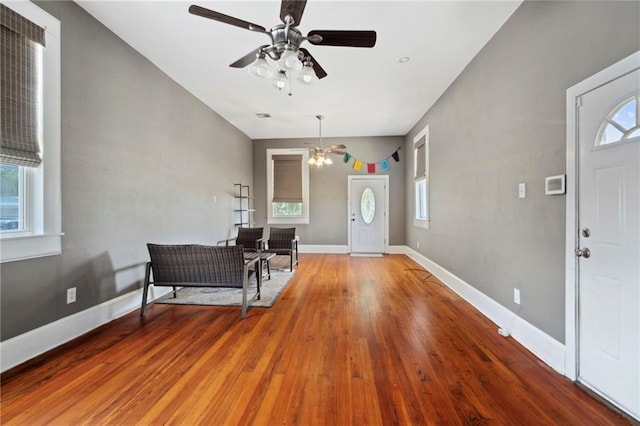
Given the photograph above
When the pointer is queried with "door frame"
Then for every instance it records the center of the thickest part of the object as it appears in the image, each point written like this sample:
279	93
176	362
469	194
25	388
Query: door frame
625	66
350	178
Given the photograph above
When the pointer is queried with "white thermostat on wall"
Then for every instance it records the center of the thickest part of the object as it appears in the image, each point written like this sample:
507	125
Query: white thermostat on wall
554	185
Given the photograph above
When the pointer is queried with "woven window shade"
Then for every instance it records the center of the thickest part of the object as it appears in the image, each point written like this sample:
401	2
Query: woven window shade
287	178
421	170
20	42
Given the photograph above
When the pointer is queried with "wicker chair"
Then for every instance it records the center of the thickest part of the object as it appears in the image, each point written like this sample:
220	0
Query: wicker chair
283	241
250	238
197	266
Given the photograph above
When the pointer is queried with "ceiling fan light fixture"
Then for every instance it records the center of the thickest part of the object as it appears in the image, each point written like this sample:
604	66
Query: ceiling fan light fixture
307	75
312	161
289	60
260	68
280	80
328	161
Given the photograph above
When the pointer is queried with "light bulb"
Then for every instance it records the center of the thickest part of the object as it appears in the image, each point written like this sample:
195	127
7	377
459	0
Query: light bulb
280	81
260	68
312	161
328	161
307	75
289	61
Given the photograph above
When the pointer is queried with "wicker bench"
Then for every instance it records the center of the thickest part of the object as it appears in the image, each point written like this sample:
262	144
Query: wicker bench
195	265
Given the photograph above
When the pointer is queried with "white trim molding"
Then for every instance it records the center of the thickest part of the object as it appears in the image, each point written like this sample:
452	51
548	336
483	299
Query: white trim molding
29	345
311	248
535	340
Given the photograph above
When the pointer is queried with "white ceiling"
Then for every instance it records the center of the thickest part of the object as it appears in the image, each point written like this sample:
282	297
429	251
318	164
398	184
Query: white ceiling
367	92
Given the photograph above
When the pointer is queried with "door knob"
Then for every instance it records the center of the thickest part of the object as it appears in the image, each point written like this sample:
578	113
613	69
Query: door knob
585	252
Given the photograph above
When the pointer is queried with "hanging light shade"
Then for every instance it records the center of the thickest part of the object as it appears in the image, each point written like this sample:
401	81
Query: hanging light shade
289	60
307	75
260	67
280	80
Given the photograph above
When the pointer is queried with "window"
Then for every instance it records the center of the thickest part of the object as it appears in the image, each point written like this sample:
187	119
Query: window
421	178
30	199
287	186
368	206
622	123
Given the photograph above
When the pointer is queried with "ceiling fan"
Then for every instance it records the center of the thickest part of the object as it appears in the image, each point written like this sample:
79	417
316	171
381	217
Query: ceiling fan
286	39
318	154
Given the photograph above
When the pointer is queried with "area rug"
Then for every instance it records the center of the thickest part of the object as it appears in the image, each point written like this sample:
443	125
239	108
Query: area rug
270	291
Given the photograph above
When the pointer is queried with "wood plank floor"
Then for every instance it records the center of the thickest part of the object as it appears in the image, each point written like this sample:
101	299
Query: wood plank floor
361	341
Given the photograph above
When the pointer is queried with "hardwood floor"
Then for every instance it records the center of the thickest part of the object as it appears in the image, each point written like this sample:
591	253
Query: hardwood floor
350	341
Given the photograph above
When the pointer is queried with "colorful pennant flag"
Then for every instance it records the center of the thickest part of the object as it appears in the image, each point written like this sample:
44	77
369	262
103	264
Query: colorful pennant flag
371	167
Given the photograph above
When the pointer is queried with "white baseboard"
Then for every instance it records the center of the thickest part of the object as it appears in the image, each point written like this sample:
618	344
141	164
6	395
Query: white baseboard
26	346
309	248
535	340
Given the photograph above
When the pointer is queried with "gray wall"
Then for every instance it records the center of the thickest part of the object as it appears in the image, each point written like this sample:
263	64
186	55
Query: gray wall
141	162
328	187
502	122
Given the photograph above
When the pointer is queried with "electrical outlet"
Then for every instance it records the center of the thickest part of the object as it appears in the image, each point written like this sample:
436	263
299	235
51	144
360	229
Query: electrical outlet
71	295
417	244
516	296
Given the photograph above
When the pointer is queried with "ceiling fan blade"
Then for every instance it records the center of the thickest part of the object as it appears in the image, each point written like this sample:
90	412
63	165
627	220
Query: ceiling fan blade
343	38
336	150
320	72
225	19
294	8
340	146
246	59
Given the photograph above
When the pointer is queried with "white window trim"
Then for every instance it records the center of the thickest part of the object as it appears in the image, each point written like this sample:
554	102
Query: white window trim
421	223
288	220
46	237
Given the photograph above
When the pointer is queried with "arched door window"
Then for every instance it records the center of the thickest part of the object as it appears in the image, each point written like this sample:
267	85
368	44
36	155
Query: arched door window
621	124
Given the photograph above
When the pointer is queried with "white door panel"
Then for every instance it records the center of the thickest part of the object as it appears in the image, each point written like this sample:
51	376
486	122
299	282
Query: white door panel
367	214
608	290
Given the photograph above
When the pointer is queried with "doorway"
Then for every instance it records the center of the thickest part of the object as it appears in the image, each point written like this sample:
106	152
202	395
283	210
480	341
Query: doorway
603	234
368	218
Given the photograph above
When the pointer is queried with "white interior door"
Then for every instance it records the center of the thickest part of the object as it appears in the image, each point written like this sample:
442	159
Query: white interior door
608	128
368	214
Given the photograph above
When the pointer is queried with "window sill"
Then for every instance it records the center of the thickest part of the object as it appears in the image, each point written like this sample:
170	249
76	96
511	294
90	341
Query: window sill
421	223
288	220
23	247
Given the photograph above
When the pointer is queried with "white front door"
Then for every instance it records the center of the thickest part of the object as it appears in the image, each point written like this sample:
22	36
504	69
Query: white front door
368	214
608	249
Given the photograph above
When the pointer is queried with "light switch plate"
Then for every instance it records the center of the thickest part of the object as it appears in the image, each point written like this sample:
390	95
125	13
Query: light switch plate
522	190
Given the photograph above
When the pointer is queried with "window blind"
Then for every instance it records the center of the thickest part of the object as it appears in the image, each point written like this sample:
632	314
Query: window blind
287	178
20	42
420	152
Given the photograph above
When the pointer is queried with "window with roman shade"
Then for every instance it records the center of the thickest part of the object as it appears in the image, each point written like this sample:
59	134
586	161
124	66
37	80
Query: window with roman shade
421	176
21	42
287	186
287	178
421	159
30	194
